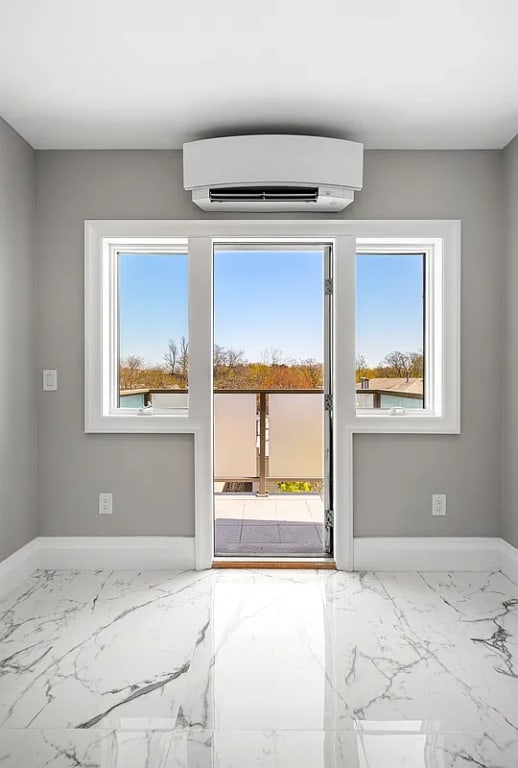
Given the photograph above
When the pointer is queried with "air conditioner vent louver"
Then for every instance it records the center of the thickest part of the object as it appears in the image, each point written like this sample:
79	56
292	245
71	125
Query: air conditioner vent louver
266	194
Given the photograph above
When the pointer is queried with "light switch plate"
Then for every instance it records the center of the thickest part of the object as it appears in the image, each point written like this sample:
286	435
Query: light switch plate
50	380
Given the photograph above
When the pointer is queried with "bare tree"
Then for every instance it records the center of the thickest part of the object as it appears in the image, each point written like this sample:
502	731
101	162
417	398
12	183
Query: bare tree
228	364
183	359
133	362
130	372
361	365
277	356
312	371
416	364
219	356
234	357
171	357
403	365
397	364
218	362
272	356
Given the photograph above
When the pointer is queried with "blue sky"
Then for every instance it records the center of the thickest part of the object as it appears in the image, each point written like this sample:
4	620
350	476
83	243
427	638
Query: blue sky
269	299
389	305
152	303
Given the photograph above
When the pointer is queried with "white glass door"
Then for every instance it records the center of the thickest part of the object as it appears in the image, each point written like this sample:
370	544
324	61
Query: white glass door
272	400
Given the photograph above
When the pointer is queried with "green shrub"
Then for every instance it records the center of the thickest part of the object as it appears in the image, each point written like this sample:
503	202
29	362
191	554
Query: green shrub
294	486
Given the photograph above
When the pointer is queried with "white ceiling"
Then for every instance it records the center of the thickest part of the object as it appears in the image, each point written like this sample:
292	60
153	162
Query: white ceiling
155	73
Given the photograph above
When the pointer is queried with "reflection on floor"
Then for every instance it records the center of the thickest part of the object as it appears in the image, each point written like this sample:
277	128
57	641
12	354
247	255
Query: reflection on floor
267	669
276	525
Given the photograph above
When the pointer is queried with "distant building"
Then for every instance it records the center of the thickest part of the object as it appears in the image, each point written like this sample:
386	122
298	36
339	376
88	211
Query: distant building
390	393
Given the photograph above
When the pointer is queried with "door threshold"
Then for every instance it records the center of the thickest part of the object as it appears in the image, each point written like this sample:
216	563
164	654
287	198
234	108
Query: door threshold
304	563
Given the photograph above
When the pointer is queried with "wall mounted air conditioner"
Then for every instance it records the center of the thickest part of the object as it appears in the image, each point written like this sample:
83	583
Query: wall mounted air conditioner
273	173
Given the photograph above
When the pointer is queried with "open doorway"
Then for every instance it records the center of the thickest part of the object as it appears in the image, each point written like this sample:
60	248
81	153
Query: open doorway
272	442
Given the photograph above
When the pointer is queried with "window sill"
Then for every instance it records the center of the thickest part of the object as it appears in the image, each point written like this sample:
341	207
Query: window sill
424	423
155	423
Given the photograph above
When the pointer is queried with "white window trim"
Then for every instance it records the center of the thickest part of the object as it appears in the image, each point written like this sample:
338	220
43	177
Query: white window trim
441	344
101	338
111	338
99	235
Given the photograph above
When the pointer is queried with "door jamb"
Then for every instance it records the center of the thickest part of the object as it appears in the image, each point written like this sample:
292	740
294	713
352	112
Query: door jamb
343	372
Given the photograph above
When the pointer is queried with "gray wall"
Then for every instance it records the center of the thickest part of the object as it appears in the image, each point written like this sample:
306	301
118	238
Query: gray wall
510	350
395	476
152	476
18	516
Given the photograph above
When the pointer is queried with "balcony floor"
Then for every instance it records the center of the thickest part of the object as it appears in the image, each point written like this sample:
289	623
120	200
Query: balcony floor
276	525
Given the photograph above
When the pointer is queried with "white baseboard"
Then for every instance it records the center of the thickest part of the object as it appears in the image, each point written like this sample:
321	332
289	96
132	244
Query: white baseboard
178	553
17	567
509	561
427	554
119	553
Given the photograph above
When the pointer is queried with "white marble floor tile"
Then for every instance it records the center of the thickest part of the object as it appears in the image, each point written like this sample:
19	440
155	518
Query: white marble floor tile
253	749
98	748
119	648
259	668
337	749
36	748
407	656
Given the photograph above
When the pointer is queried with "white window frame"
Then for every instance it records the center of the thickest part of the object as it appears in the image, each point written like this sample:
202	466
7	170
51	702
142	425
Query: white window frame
444	237
441	412
102	413
111	339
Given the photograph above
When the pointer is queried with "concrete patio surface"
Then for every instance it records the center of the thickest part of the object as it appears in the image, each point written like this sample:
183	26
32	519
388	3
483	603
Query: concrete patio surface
276	525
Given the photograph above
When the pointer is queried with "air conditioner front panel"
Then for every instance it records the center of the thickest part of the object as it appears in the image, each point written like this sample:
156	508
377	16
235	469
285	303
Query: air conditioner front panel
274	160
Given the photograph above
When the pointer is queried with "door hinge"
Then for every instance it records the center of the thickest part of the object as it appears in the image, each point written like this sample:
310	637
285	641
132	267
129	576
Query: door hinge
328	402
330	518
328	286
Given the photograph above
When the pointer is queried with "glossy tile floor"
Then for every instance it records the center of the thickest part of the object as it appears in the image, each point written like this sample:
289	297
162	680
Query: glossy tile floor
259	669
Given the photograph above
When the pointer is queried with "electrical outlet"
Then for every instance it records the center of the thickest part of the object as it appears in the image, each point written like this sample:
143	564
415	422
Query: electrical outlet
105	503
439	505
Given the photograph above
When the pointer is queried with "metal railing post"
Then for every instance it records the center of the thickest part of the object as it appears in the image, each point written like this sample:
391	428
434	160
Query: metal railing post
262	445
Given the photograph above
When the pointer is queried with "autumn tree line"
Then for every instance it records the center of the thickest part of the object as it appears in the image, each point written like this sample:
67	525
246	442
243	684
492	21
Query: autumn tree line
395	365
233	371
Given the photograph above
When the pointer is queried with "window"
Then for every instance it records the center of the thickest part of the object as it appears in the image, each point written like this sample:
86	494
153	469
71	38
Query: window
390	330
149	336
153	346
137	341
407	315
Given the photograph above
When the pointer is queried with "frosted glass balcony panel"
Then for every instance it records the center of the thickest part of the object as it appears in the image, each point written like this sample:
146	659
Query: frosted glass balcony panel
296	438
235	453
170	400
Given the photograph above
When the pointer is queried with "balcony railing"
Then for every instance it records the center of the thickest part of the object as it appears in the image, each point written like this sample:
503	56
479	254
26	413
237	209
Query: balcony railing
265	437
261	436
269	436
